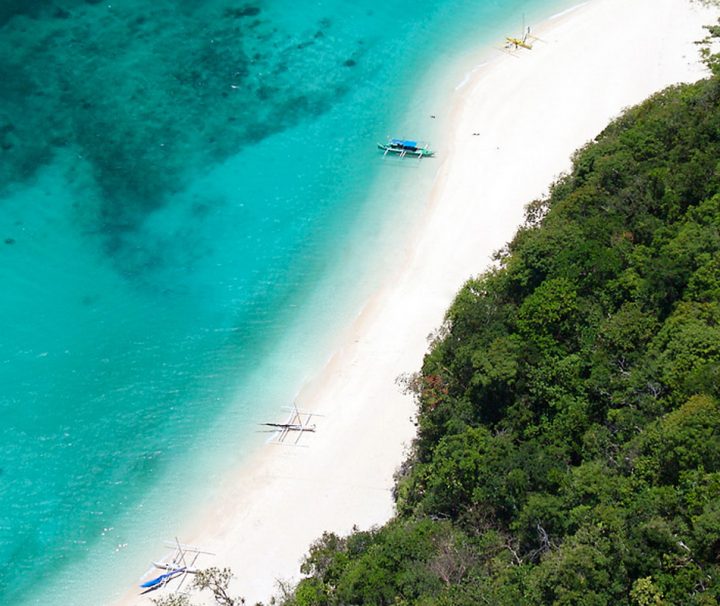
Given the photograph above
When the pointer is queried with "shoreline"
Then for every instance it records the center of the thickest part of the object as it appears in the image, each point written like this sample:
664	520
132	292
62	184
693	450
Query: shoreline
532	111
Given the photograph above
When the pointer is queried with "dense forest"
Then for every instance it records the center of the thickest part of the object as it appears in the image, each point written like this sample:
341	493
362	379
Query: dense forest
569	409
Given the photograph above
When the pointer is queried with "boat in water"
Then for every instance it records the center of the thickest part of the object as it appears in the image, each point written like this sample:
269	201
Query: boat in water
406	147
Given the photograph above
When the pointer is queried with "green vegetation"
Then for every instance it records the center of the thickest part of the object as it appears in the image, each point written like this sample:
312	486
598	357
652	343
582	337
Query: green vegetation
211	580
569	409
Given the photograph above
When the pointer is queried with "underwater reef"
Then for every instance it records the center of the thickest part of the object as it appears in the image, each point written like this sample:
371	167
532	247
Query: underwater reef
145	95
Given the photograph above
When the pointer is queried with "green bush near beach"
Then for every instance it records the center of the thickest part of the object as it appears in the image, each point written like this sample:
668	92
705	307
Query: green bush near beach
569	409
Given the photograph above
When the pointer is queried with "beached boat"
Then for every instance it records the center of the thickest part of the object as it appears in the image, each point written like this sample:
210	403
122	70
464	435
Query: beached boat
178	568
405	147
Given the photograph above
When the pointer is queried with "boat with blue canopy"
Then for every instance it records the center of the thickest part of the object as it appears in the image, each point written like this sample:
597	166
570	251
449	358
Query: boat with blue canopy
406	147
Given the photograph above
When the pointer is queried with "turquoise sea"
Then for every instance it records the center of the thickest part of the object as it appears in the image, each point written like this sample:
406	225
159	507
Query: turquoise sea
191	206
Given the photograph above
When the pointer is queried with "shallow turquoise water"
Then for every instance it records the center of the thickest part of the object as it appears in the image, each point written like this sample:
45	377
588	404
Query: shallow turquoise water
181	228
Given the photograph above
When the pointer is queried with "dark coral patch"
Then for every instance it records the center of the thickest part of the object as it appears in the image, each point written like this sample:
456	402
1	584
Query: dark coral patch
244	11
137	142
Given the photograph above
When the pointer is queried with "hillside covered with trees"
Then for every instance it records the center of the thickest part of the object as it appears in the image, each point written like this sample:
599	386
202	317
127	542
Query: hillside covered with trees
569	409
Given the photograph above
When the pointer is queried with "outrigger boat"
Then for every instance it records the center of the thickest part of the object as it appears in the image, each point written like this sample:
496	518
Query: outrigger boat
524	42
295	423
177	568
405	147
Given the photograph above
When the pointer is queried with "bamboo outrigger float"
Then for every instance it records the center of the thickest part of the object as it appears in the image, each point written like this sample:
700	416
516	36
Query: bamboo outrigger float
406	147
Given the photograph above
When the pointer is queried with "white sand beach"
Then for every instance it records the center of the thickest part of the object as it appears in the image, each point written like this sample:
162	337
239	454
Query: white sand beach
531	111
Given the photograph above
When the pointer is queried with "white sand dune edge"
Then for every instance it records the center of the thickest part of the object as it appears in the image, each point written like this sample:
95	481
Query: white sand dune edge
531	113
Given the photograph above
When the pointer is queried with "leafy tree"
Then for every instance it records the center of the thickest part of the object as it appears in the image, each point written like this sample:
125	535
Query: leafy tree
213	579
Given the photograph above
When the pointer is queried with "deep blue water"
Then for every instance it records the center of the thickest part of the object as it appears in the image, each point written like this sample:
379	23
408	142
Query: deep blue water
184	219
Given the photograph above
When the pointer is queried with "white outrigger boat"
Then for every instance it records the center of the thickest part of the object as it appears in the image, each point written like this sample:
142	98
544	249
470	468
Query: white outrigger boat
298	421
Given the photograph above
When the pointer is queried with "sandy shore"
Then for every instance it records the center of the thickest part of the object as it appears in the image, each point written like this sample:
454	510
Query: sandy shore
531	111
